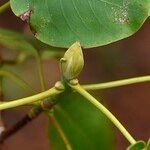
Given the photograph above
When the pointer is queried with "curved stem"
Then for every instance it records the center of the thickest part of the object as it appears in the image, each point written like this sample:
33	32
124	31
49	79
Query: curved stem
116	83
4	7
17	79
30	99
103	109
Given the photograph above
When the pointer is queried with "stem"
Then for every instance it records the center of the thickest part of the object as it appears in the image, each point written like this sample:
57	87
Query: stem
60	131
17	79
9	132
2	127
117	83
35	111
102	108
30	116
40	72
30	99
4	7
19	59
20	124
51	116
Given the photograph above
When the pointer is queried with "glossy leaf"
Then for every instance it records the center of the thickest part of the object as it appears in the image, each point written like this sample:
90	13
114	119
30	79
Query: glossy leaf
83	125
94	23
139	145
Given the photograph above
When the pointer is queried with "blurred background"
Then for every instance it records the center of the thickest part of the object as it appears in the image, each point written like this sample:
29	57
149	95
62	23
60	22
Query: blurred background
124	59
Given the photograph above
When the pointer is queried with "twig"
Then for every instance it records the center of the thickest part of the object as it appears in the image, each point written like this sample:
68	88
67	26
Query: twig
118	83
8	132
48	106
30	99
36	110
20	124
32	114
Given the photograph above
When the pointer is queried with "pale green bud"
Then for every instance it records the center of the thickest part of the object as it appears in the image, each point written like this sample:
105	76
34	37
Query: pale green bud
72	62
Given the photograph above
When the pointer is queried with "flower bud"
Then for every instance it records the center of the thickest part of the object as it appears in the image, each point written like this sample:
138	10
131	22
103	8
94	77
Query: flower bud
72	62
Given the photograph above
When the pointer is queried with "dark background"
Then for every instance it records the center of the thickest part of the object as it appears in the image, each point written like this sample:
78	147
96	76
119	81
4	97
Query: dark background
130	104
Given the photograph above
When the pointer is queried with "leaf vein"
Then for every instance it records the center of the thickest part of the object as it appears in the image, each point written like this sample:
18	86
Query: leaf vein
70	28
81	18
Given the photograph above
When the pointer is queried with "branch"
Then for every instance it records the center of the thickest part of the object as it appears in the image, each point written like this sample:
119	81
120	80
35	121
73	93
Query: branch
31	99
104	110
118	83
47	106
8	132
33	113
36	110
30	116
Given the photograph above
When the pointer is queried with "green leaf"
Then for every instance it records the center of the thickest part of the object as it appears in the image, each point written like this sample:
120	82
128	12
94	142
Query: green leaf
83	125
94	23
139	145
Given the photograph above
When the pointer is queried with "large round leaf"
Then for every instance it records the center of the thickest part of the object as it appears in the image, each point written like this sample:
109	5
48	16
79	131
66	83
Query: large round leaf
83	125
92	22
